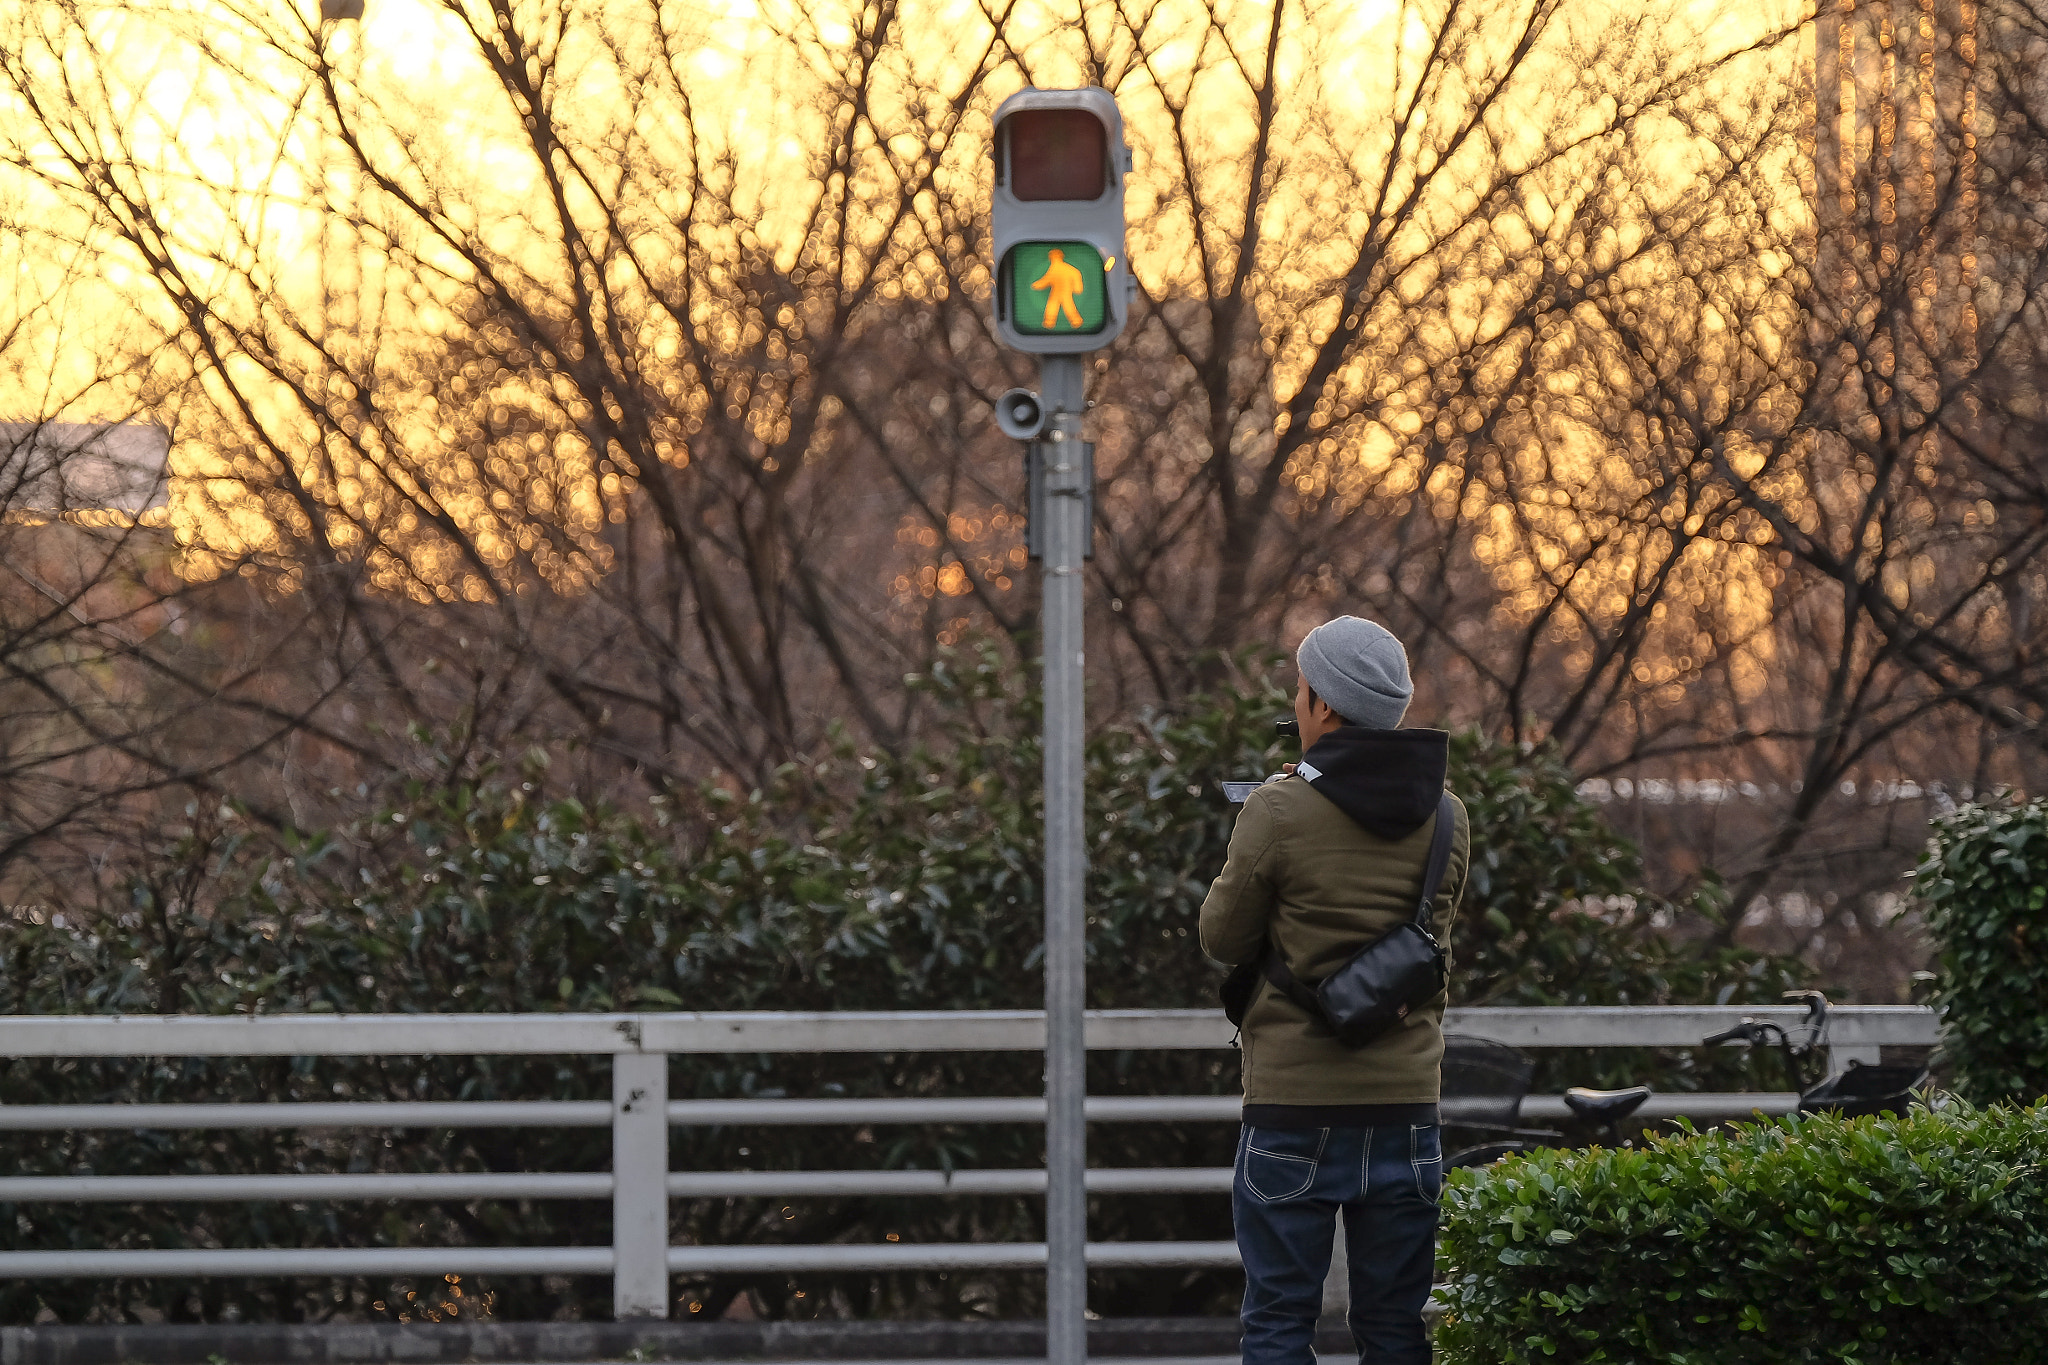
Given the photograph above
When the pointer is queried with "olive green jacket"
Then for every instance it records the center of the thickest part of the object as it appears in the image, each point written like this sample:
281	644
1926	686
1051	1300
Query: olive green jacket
1308	876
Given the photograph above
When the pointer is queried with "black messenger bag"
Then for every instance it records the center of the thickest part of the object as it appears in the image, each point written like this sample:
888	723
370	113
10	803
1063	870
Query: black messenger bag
1383	981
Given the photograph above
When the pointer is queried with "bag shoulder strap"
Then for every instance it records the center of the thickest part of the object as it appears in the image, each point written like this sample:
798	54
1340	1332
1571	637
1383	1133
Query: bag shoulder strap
1439	859
1300	992
1288	984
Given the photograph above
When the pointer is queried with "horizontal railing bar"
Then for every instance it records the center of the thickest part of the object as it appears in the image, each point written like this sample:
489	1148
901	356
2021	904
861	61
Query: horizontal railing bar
886	1256
793	1113
990	1109
768	1113
270	1262
317	1035
72	1189
340	1035
593	1113
1153	1109
813	1184
341	1114
104	1189
915	1031
929	1031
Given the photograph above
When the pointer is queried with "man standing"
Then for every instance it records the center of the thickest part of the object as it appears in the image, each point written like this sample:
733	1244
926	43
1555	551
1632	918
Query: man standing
1322	862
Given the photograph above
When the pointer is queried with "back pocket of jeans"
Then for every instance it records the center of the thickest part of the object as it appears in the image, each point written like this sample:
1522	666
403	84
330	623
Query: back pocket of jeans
1280	1163
1426	1158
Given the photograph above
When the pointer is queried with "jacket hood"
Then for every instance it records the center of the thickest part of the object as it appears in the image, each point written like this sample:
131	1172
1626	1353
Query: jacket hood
1389	781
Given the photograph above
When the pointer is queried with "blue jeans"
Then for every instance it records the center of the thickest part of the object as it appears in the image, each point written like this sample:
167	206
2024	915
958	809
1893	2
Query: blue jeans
1291	1185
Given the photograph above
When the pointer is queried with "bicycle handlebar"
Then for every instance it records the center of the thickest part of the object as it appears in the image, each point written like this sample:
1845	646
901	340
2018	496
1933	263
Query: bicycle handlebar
1755	1032
1759	1032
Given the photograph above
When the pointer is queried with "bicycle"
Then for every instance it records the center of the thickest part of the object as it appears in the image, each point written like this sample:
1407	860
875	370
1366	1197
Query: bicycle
1485	1083
1860	1088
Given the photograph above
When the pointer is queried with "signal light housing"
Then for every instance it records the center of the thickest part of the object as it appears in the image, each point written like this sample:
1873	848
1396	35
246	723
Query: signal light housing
1062	283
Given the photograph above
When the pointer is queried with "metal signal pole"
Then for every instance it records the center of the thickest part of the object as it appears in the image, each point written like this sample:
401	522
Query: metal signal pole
1060	508
1063	288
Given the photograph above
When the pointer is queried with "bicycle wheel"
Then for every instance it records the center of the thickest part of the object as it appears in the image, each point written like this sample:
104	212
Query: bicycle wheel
1472	1158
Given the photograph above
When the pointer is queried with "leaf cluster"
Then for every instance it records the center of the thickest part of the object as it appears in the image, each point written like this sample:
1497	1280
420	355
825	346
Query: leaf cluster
1806	1240
1984	888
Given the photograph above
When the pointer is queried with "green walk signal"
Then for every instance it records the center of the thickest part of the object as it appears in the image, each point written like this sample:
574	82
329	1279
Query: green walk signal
1056	288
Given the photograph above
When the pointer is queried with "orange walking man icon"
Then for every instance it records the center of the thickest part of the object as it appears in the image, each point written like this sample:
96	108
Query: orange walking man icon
1061	282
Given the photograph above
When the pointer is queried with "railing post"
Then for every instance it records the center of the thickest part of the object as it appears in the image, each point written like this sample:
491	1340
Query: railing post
640	1185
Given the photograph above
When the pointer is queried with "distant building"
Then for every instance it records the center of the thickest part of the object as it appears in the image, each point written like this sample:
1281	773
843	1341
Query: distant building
1897	96
1926	191
51	468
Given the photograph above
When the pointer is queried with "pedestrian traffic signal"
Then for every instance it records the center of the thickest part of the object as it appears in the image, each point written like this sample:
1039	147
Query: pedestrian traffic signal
1062	284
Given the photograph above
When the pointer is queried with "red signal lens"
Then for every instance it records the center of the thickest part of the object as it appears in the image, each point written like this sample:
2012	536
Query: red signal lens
1057	154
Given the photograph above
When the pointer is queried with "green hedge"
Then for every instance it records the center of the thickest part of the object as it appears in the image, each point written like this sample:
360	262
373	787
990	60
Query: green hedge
1869	1240
1984	886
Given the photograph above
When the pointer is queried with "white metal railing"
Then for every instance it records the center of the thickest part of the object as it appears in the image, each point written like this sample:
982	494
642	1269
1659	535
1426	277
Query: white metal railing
640	1114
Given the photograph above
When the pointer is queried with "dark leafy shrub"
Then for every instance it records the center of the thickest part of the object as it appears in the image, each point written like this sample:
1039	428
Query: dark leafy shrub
864	882
1857	1240
1984	886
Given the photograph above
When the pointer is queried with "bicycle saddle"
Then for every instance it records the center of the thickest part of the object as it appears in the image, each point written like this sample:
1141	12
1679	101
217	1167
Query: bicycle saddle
1606	1106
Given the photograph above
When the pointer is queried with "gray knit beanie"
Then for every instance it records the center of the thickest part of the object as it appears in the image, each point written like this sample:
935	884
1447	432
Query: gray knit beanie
1360	669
